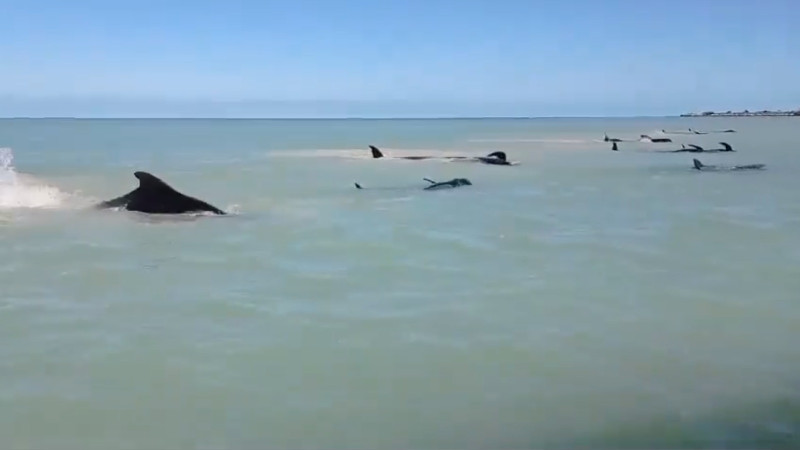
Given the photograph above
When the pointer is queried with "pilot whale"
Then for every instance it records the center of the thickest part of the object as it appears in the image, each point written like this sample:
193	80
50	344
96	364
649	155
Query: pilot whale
435	185
700	166
697	149
693	131
454	183
154	196
494	158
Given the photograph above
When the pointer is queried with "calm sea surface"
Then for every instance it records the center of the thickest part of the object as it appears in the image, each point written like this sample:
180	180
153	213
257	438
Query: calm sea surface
582	298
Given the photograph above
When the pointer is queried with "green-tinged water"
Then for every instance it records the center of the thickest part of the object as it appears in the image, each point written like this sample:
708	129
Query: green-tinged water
582	298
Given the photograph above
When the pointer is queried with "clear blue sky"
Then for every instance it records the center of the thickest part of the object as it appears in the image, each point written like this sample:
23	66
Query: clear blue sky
396	58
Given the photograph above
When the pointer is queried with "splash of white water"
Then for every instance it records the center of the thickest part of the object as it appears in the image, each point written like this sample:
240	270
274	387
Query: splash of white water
22	191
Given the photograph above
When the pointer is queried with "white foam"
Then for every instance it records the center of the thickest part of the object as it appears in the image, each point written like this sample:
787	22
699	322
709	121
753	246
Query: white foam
23	191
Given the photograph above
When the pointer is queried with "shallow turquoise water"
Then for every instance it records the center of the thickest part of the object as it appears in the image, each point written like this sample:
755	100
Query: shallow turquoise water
581	298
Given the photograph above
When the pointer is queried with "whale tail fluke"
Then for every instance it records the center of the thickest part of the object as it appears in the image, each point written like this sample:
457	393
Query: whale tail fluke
727	147
375	152
697	164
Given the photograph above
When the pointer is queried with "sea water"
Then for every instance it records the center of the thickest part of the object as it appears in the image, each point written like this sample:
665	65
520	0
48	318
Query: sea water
580	298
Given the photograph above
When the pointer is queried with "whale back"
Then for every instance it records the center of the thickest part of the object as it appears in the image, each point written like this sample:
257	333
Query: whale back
498	155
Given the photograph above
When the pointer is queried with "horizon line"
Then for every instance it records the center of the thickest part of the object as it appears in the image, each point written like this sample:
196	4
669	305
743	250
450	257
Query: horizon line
333	118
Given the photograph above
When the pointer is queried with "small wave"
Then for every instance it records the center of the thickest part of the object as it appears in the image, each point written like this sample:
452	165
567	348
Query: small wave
23	191
233	209
172	219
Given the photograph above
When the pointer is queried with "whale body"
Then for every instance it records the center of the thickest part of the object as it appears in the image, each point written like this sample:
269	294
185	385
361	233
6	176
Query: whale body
494	158
702	167
154	196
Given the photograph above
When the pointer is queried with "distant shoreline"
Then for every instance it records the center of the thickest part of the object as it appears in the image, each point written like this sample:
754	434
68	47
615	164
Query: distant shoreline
290	118
745	113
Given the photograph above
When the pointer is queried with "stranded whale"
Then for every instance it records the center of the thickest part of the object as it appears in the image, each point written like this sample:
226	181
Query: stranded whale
700	166
494	158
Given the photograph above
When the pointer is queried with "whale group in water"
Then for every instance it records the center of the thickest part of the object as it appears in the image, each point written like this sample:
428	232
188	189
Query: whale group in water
648	138
154	196
690	148
693	148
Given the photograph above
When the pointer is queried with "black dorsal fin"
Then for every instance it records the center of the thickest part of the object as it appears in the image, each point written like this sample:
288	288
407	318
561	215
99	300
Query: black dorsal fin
375	152
157	197
150	182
